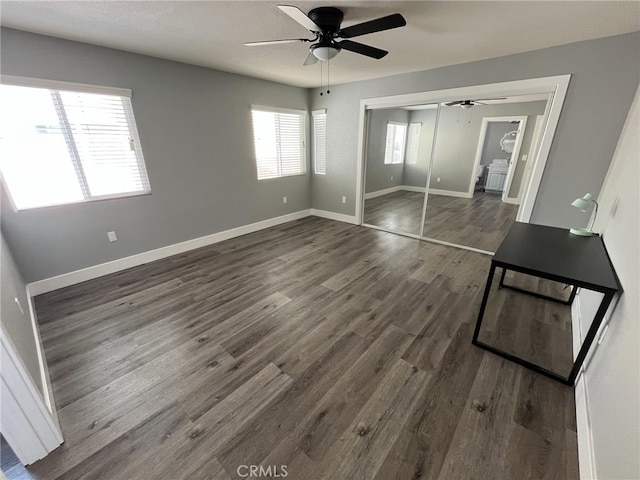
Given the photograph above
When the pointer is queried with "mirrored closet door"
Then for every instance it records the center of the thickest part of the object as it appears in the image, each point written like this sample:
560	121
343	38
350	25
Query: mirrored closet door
479	169
454	172
398	157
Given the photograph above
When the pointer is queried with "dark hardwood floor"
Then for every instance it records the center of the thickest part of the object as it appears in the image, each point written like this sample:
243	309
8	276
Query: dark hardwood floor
398	211
479	222
337	351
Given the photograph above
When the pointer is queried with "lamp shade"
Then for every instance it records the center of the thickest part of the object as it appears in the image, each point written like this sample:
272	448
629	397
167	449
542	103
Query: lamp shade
325	53
583	203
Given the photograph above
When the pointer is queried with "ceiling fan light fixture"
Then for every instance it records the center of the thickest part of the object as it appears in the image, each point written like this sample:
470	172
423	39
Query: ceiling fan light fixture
466	106
324	53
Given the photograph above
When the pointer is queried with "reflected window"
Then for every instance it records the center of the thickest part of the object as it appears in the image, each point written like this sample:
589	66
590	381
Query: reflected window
396	141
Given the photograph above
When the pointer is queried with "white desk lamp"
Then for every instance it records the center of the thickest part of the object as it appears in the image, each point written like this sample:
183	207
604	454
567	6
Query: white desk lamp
583	204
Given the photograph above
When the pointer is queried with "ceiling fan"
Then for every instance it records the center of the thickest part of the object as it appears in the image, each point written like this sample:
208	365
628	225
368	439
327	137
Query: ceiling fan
470	103
324	24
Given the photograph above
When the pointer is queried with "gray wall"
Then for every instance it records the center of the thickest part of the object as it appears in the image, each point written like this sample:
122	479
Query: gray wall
415	175
16	323
458	136
605	74
195	131
378	175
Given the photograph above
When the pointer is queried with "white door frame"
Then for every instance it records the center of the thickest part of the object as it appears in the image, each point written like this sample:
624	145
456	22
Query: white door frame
556	86
533	149
522	124
25	420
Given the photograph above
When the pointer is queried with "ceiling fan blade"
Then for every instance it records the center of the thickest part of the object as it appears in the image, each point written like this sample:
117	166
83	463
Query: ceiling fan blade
276	42
453	104
300	17
378	25
311	60
362	49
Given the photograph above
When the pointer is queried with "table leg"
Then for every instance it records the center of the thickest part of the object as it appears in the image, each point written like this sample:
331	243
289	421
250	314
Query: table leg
591	334
504	272
487	288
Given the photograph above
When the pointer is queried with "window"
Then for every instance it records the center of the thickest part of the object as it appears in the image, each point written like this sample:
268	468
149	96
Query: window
320	142
65	143
413	142
279	140
394	149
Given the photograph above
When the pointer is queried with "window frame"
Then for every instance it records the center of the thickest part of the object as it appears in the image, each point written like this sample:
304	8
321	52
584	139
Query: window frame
404	144
303	144
55	85
317	113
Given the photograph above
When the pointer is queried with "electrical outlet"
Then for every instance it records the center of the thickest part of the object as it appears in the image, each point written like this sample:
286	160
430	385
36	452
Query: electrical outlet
344	199
112	236
392	178
438	179
525	157
284	199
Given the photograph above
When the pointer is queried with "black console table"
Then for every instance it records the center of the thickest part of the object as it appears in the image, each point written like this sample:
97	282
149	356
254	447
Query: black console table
554	254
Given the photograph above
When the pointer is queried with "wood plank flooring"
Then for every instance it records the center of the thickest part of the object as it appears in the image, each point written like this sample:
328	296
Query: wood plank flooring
480	222
337	351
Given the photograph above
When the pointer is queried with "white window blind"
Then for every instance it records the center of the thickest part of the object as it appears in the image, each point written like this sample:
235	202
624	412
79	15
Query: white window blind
413	142
61	146
395	144
320	141
279	141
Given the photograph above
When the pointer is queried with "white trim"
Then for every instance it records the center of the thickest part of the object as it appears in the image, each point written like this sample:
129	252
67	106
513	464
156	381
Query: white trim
515	157
42	361
533	149
411	188
25	420
450	193
397	188
556	85
59	85
552	118
380	193
586	457
89	273
263	108
340	217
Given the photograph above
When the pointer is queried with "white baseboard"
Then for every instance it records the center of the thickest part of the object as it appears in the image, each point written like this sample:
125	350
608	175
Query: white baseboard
411	188
380	193
450	193
397	188
511	200
586	456
89	273
334	216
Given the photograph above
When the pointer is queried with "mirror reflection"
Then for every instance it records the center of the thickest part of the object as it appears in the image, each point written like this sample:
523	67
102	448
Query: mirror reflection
399	144
481	165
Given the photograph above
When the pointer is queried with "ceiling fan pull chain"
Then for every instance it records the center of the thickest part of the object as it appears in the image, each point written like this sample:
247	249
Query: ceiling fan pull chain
321	93
328	76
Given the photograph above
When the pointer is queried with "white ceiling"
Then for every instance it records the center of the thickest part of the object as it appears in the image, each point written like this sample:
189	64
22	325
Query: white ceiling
212	33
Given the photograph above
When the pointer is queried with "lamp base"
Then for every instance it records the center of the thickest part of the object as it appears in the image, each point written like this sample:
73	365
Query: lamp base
581	232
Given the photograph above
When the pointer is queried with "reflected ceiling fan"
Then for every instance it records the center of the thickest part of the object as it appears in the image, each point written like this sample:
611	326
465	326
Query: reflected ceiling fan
324	25
470	103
